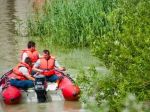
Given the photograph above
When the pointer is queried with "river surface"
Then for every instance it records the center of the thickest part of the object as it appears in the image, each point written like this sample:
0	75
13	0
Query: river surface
13	14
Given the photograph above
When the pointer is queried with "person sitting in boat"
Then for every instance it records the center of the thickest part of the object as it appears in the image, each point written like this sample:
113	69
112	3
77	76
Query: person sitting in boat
21	77
30	52
46	66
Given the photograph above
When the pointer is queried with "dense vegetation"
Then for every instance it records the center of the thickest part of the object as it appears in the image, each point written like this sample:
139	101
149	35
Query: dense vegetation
118	33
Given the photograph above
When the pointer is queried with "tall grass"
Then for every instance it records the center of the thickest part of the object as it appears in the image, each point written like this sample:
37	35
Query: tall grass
71	22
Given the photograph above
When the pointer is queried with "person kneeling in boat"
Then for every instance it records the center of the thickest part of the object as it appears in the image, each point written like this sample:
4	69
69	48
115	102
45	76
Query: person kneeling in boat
46	66
21	77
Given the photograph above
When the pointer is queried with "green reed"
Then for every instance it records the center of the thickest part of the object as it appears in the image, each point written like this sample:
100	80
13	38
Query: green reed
70	22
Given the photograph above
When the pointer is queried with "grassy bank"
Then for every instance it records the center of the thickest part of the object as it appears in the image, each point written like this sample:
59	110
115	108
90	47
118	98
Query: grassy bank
117	31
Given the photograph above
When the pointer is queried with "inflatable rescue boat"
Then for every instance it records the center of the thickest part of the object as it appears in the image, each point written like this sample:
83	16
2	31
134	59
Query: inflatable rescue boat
43	91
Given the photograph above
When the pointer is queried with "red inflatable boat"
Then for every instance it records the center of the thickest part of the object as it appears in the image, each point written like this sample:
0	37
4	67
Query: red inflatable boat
13	95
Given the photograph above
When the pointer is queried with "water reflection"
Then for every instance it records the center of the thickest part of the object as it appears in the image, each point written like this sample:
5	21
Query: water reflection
56	106
70	106
37	5
7	41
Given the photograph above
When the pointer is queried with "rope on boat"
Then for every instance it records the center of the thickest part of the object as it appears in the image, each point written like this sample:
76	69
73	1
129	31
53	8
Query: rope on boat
66	75
4	77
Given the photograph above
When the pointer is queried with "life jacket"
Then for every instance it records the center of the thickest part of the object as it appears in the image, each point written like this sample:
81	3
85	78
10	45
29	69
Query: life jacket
47	65
17	74
33	55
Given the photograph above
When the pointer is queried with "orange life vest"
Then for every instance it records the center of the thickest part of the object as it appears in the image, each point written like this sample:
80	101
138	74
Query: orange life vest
17	74
33	55
47	64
